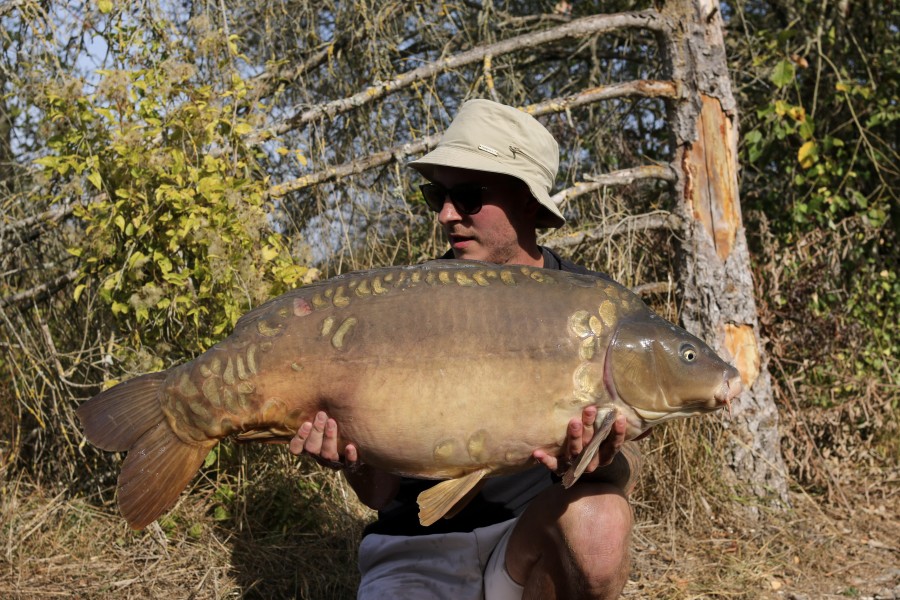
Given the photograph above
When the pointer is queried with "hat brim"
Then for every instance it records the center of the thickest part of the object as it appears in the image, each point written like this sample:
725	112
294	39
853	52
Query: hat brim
462	158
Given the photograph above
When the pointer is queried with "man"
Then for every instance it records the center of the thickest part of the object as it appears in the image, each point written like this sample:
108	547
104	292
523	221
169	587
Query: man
524	535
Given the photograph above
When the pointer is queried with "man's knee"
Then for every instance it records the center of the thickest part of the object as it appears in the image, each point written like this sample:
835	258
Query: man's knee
597	529
577	539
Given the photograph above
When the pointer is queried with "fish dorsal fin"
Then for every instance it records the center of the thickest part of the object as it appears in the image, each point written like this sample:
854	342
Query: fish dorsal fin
602	426
439	500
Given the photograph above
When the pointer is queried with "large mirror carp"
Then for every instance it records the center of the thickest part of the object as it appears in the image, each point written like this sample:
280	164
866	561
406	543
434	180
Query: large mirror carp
452	370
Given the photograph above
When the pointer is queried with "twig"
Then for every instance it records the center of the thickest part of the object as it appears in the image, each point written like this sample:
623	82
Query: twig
648	19
41	292
645	222
398	153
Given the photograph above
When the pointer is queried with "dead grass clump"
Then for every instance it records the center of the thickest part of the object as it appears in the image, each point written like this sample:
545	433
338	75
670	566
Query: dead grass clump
290	531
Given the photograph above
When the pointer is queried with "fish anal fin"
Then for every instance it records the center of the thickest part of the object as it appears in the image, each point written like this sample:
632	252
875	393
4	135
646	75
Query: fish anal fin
441	499
602	426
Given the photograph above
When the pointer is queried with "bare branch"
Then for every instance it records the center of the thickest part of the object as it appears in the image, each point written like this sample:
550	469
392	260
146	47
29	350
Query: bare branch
628	225
621	177
655	287
425	144
266	82
48	216
41	292
358	166
640	87
648	19
10	238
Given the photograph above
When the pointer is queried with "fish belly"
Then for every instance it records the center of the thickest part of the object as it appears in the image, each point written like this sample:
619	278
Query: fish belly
433	379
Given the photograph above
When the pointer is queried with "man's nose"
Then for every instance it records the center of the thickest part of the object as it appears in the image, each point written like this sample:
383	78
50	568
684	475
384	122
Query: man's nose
448	212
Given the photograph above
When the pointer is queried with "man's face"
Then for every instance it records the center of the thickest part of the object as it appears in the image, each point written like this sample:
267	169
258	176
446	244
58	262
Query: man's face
503	231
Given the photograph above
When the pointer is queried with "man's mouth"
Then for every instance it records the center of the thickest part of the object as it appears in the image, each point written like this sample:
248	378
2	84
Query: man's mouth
459	241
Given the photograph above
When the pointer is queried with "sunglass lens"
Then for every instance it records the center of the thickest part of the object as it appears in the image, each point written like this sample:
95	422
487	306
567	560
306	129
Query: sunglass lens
434	195
466	198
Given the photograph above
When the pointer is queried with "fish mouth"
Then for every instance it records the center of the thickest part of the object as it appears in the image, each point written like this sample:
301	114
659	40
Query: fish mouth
731	389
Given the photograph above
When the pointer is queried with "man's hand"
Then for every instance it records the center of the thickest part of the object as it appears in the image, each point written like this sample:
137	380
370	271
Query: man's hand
319	440
578	435
375	488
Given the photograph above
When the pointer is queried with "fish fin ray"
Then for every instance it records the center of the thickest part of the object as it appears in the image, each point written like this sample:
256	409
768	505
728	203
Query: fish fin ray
602	427
441	499
115	419
155	472
129	418
464	501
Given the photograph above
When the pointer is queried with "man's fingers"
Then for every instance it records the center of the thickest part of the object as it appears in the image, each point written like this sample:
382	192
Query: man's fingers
545	459
350	454
299	439
588	416
575	439
611	445
313	443
329	443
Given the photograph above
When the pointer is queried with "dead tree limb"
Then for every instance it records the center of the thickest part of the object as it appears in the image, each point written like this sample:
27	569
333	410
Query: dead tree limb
621	177
648	19
397	153
268	81
41	292
48	216
646	222
646	88
12	235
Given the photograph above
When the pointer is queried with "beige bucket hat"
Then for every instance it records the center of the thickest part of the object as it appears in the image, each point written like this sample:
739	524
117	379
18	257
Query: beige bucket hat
495	138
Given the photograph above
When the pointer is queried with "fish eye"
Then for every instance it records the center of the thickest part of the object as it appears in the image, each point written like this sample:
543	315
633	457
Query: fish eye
688	352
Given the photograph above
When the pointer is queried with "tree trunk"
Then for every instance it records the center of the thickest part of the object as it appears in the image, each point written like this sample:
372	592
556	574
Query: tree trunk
716	277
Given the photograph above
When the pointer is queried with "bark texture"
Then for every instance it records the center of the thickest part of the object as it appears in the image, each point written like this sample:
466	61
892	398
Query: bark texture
716	278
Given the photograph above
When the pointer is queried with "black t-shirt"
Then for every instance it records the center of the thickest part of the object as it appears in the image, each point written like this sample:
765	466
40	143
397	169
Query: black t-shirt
500	499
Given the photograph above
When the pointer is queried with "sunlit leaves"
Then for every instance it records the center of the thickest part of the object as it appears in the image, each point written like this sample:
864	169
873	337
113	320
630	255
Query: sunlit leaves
178	241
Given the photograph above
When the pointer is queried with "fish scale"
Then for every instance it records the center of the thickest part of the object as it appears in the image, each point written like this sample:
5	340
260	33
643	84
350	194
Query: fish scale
453	370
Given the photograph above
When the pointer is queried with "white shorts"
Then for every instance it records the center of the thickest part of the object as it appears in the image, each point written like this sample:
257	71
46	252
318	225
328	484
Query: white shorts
451	566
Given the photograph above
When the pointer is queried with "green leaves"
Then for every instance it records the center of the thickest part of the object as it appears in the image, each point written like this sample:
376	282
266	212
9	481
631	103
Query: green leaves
179	245
783	73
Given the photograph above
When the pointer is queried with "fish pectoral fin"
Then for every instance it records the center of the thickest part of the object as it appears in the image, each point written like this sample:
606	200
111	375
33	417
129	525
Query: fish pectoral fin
462	502
264	436
602	426
439	500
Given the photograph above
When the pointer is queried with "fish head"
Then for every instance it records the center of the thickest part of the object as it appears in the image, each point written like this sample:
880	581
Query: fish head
663	372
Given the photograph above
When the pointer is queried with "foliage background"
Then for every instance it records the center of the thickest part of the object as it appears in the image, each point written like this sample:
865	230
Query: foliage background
145	150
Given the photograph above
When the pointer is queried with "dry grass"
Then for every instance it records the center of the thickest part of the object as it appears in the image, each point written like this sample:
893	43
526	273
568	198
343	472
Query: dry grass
290	531
290	534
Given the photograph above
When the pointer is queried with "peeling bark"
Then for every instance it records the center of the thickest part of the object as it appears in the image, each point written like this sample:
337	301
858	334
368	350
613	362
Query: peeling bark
716	278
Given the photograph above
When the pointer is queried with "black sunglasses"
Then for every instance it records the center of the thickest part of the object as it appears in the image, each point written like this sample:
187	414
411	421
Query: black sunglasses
467	197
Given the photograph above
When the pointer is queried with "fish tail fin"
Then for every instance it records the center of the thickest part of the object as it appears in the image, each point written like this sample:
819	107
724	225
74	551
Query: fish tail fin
158	466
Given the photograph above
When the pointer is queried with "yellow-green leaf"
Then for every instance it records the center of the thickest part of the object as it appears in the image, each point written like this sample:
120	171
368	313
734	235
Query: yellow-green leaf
96	179
268	253
105	6
78	291
807	154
